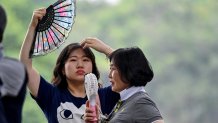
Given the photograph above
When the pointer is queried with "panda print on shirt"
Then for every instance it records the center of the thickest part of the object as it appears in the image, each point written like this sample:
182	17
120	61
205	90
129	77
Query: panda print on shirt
68	113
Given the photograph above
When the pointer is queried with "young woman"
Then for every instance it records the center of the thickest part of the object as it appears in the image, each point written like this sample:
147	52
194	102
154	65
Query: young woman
130	71
64	100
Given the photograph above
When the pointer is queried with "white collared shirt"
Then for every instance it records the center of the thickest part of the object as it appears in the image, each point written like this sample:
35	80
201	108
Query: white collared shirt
126	93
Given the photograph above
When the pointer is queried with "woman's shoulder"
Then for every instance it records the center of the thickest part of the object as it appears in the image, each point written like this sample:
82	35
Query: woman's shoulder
48	88
143	107
141	98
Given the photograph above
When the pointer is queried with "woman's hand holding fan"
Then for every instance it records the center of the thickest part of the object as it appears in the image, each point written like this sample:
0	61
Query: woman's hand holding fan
91	86
53	29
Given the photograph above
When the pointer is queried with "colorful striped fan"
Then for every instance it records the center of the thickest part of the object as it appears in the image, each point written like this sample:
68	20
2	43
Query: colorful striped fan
54	27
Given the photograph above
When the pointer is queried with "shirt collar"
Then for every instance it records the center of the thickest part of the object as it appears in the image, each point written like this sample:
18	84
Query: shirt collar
1	50
126	93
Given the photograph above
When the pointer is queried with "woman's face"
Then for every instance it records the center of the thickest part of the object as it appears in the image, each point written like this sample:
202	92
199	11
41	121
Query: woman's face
77	65
117	84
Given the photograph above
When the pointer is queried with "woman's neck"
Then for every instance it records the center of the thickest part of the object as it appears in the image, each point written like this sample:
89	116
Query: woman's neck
77	89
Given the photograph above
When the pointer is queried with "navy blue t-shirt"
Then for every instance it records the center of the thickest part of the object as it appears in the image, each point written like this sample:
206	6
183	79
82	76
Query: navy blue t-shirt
60	106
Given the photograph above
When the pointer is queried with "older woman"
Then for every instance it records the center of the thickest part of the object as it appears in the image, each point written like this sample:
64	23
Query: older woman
130	71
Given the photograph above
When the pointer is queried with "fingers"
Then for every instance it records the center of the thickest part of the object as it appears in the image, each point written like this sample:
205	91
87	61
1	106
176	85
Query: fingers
40	10
38	14
88	109
85	45
89	115
87	103
97	110
94	43
87	42
97	44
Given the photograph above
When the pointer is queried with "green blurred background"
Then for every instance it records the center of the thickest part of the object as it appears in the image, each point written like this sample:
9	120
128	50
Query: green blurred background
179	37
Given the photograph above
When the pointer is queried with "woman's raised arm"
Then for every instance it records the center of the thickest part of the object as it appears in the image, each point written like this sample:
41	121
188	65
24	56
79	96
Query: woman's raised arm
98	45
34	77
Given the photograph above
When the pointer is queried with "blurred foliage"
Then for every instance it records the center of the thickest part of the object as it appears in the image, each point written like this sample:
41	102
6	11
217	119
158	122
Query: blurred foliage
178	37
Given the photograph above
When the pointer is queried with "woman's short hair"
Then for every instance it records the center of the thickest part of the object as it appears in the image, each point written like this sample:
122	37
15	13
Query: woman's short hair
132	66
59	78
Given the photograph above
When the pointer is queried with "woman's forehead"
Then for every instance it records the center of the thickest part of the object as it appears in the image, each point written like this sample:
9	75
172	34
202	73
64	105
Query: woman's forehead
77	52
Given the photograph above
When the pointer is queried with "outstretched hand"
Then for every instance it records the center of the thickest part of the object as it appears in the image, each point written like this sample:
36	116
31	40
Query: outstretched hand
97	44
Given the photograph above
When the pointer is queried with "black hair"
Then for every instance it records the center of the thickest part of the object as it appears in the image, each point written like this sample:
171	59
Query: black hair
3	22
132	65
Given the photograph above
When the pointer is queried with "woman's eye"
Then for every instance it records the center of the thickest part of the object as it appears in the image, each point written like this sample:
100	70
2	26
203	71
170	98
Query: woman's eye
73	60
86	60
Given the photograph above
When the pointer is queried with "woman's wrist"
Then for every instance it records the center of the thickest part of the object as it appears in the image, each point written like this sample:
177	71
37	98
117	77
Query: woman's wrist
108	51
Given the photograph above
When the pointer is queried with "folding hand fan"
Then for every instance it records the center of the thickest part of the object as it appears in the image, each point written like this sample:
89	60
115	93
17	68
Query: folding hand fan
91	86
54	27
